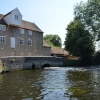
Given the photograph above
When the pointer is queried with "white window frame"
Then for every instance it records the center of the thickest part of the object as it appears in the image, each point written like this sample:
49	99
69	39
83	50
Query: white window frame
21	31
29	42
2	27
21	41
29	32
2	39
16	17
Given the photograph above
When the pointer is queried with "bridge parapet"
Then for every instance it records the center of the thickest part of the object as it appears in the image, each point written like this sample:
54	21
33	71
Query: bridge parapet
19	62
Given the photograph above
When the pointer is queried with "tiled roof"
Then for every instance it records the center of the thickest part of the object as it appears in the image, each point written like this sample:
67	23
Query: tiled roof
45	44
30	25
1	19
61	51
1	16
25	24
7	14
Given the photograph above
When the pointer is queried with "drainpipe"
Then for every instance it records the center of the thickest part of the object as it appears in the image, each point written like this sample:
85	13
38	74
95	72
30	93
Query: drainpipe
7	27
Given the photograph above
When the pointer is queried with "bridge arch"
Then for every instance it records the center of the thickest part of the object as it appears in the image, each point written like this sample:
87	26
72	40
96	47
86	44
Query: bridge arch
46	65
33	66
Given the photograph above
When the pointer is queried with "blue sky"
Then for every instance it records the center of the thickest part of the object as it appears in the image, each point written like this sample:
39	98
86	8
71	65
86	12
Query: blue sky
52	16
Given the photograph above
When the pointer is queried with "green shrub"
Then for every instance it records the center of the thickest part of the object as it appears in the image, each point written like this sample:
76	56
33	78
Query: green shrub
72	63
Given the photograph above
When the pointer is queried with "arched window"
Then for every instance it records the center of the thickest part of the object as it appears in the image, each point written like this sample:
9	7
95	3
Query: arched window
29	42
21	41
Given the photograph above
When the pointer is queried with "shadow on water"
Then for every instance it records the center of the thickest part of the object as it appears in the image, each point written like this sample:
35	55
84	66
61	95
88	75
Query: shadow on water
45	65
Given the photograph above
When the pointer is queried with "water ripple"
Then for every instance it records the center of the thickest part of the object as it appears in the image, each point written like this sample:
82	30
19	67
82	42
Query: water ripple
51	84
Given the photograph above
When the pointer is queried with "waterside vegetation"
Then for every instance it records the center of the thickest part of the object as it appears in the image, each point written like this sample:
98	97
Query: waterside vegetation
83	32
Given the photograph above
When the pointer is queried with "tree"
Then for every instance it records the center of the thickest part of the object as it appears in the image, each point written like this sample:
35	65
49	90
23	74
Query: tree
48	39
79	42
53	40
89	14
56	40
97	58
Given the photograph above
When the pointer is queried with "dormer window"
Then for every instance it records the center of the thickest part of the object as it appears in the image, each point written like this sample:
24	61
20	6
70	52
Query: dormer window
29	32
16	17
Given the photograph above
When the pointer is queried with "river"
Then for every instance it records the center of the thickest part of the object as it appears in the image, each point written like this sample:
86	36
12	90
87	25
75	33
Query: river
51	84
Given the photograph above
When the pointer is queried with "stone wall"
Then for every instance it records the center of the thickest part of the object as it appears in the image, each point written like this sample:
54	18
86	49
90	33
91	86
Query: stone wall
21	50
19	63
46	51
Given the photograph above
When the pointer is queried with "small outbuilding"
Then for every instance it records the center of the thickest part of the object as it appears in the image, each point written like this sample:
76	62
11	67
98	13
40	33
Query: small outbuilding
59	52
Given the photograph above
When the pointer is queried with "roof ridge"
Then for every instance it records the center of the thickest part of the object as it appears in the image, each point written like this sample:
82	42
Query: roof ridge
25	24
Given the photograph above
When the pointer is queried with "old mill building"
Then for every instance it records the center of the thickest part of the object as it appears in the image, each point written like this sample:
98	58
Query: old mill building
21	38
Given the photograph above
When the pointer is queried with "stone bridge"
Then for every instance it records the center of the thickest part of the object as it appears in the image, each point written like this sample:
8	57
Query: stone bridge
19	62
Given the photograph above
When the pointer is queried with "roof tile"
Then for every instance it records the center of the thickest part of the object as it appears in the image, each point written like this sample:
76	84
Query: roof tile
55	50
31	26
45	44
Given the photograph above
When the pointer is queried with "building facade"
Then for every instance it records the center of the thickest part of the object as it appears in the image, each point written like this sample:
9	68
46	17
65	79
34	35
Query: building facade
19	37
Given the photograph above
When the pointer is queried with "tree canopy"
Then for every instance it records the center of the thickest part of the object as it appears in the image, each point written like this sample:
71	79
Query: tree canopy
78	41
89	14
53	40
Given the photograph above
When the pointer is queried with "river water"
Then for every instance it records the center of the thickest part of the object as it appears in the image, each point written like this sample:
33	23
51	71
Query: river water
51	84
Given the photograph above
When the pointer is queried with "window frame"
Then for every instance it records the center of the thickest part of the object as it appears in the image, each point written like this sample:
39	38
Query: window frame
2	39
16	17
21	41
22	31
29	42
2	27
30	32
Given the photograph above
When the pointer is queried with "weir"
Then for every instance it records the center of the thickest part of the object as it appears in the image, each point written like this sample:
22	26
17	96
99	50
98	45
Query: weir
30	62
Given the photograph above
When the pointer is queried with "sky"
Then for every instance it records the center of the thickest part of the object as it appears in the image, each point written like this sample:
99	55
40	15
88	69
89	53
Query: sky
51	16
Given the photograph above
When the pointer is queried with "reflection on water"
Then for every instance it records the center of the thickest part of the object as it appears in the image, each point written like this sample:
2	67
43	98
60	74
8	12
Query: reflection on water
51	84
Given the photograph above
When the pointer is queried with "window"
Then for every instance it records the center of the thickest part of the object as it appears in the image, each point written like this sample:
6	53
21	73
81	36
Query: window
16	17
21	41
2	27
21	31
29	42
29	32
2	39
